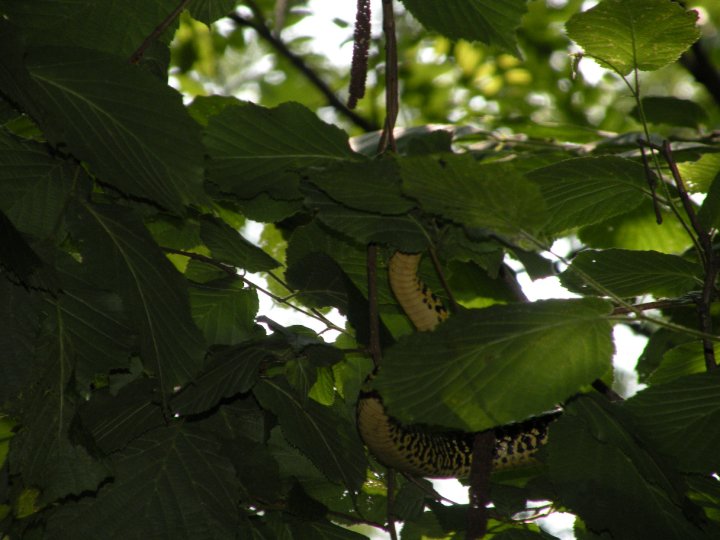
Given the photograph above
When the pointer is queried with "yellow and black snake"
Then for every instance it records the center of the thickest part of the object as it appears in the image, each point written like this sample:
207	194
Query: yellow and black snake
445	454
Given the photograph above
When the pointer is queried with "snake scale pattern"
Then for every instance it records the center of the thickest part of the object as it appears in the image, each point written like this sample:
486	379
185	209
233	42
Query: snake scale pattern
412	450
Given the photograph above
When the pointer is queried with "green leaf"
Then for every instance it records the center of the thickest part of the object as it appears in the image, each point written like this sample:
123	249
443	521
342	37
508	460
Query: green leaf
588	190
106	25
459	188
21	316
638	230
699	175
672	111
230	372
170	483
372	186
682	420
601	473
685	359
323	434
254	150
224	310
709	213
628	34
402	231
488	21
113	421
209	11
483	368
34	186
42	453
228	245
98	336
119	250
132	129
629	273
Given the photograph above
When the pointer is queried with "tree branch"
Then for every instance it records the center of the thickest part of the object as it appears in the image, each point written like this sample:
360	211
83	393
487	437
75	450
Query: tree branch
387	139
157	32
281	47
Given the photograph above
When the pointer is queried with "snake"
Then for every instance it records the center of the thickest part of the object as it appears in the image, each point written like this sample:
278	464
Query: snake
413	449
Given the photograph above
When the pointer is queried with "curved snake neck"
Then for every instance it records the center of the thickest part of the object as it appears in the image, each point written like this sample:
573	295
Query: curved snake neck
448	454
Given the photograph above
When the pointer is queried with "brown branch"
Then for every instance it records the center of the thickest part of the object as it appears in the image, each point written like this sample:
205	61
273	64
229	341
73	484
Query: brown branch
709	259
479	490
454	306
391	488
279	45
652	183
157	32
387	139
361	48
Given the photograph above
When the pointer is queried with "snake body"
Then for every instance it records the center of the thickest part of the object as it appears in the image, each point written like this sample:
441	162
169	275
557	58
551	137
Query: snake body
445	454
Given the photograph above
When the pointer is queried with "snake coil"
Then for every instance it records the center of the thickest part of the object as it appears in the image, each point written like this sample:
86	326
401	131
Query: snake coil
446	454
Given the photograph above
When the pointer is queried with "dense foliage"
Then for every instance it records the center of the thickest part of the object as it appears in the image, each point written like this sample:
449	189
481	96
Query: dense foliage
142	395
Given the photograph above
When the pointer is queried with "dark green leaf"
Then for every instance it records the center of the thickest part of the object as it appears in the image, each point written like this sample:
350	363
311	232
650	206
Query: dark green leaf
627	34
131	128
255	150
629	273
113	421
483	368
588	190
369	186
95	24
402	231
42	452
682	419
488	21
20	325
612	483
671	111
224	310
119	250
34	186
228	245
323	434
209	11
171	483
490	196
229	373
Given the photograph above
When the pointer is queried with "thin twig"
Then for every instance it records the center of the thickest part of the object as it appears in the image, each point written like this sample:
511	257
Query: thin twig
232	271
281	47
157	32
652	183
387	139
709	259
454	306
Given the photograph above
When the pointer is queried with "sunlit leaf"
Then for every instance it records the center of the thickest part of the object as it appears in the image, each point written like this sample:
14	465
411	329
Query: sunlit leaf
625	34
495	197
632	273
584	191
482	368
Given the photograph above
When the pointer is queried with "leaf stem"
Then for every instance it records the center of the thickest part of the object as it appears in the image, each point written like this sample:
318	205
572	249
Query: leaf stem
157	31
